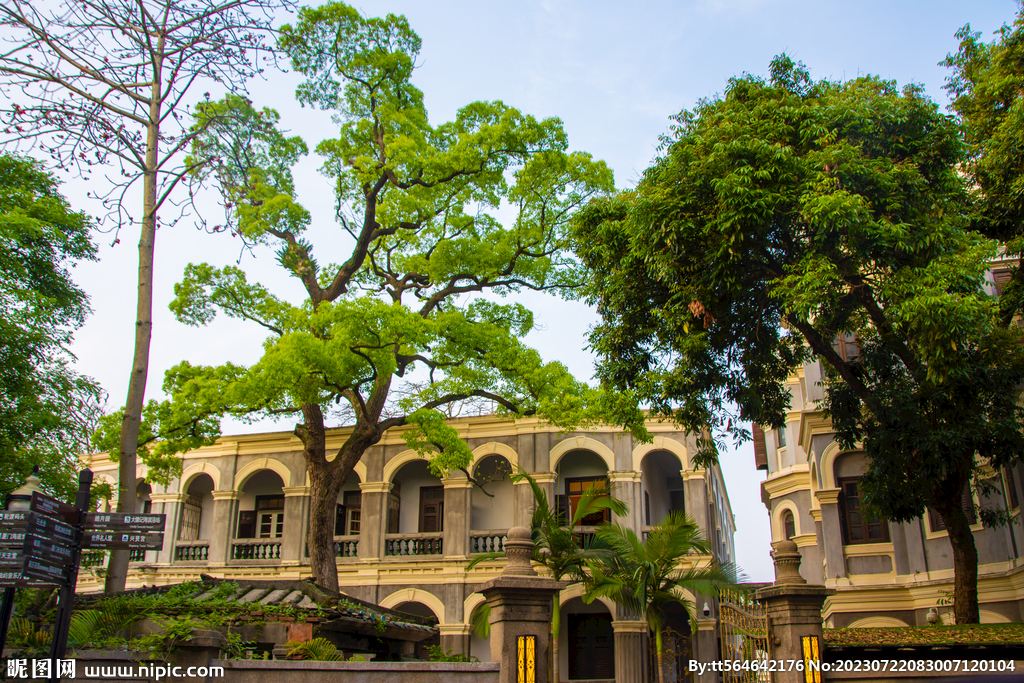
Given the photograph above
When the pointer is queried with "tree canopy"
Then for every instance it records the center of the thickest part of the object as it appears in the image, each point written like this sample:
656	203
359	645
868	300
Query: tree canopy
407	318
45	406
781	217
985	83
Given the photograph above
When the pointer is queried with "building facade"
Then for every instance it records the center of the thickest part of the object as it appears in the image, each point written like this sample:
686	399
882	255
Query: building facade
403	537
883	573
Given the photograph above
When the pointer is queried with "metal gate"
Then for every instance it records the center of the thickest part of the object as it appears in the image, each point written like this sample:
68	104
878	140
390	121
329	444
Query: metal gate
743	633
676	650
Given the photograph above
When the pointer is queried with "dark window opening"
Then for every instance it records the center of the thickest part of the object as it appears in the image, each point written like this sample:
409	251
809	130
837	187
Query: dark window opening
431	509
591	647
647	508
857	526
788	525
191	515
1011	488
846	346
936	522
394	508
574	489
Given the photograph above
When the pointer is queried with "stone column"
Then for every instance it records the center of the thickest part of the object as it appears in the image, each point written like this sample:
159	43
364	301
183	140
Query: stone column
832	533
793	609
546	481
373	521
704	642
520	606
171	503
626	487
296	523
457	492
631	648
225	505
455	637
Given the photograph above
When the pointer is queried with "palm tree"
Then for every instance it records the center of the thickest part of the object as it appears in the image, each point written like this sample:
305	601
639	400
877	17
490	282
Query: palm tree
564	553
645	575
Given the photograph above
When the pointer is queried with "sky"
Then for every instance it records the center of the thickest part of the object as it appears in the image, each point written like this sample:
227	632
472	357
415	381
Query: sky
613	72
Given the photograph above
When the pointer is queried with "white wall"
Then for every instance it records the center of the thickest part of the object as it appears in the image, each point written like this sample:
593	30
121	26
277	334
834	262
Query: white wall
412	477
578	464
263	483
496	512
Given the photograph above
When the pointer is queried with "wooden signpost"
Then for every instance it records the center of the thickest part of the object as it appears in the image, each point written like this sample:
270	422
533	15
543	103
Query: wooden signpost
42	546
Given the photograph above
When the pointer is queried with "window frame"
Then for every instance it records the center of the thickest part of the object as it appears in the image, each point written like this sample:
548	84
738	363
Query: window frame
845	512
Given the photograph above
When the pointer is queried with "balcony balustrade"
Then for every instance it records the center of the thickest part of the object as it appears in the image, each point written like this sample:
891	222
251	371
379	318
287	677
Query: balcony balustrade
255	549
402	545
192	551
346	546
490	541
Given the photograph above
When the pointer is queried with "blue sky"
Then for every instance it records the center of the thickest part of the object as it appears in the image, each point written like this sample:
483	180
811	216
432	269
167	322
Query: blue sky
613	72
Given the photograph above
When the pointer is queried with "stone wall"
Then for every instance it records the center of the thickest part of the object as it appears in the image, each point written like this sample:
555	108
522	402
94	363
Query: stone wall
256	671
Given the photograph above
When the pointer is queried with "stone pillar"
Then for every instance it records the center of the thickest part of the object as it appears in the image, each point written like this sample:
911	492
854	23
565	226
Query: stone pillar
171	503
832	533
704	642
457	493
793	609
296	523
455	637
520	606
546	481
225	506
373	521
626	487
631	648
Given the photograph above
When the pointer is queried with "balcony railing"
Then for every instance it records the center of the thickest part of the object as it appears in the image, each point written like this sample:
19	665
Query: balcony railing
94	558
401	545
255	549
490	541
192	551
346	546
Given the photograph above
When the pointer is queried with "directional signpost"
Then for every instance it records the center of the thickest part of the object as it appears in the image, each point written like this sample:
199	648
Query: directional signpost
41	546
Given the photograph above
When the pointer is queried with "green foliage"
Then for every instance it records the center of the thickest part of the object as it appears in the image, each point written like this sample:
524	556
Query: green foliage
781	216
316	650
985	83
236	648
436	653
644	576
46	409
27	637
174	631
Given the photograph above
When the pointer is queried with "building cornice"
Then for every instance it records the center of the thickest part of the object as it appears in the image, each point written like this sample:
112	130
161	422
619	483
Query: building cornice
813	423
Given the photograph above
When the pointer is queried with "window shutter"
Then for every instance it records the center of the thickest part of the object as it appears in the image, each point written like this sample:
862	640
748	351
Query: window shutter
246	524
760	449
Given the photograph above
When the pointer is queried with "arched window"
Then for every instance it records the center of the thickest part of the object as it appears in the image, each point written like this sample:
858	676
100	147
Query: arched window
788	525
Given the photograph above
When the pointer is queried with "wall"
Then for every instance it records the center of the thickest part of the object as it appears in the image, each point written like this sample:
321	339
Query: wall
263	483
496	512
412	477
255	671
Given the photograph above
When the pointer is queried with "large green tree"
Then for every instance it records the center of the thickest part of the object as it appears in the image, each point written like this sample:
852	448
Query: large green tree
45	407
781	216
404	315
985	83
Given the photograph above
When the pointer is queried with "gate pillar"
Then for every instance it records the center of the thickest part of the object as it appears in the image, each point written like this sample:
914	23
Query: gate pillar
794	615
520	603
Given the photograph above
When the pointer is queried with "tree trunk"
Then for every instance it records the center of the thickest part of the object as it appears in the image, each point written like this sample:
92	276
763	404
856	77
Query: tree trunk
555	623
325	481
323	496
965	553
660	651
117	568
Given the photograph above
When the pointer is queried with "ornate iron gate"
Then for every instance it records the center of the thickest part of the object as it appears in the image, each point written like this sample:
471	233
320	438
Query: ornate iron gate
743	632
676	655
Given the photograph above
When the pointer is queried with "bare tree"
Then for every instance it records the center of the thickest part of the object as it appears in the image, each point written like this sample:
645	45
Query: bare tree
102	84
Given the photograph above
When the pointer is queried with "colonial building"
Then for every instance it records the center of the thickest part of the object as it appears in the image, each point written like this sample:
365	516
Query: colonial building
403	537
884	573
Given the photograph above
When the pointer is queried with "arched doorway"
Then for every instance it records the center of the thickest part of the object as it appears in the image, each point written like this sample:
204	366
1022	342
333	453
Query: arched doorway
586	641
260	524
421	610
